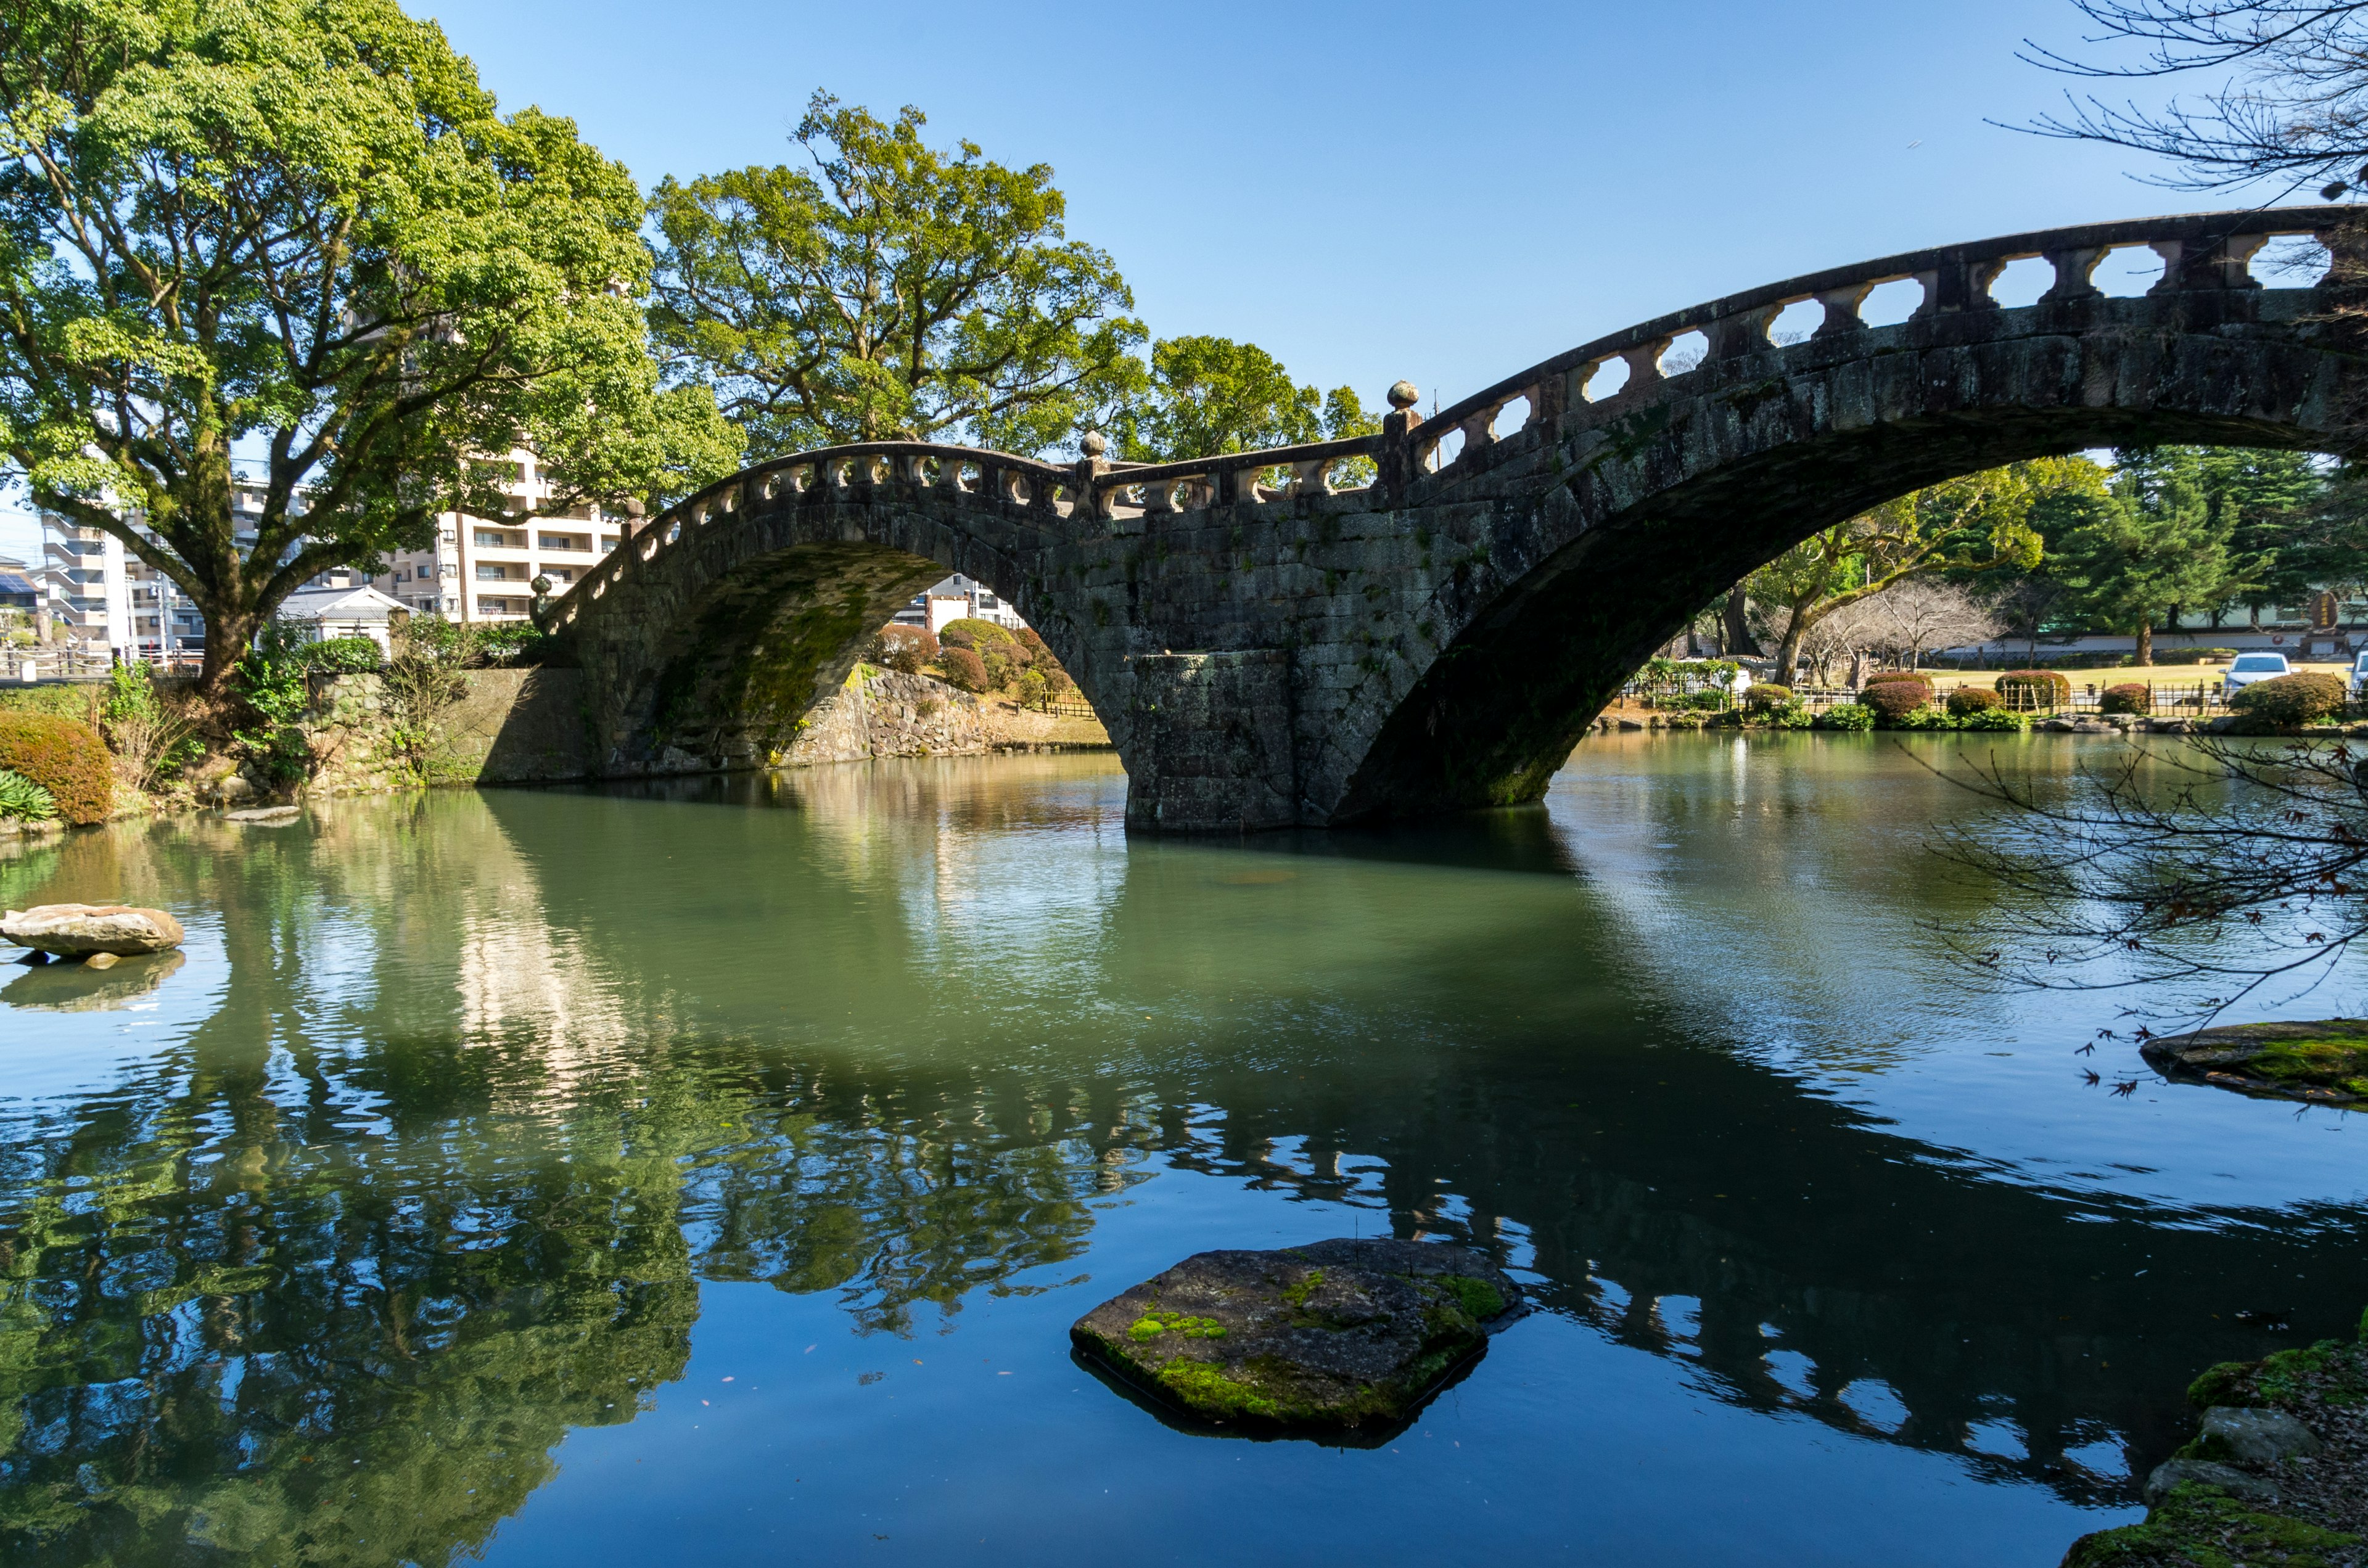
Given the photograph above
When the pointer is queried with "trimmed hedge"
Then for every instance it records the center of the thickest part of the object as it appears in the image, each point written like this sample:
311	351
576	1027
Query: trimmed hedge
1968	700
1895	674
2288	699
1895	700
2043	688
2130	697
63	757
1768	694
1847	716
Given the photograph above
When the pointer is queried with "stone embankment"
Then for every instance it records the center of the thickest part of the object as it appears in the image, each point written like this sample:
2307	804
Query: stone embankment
531	726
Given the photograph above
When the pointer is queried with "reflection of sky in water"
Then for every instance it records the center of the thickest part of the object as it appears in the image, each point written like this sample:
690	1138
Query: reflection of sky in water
962	1053
1776	902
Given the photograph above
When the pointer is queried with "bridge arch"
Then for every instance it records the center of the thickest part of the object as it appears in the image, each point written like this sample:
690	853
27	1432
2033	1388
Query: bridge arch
1273	643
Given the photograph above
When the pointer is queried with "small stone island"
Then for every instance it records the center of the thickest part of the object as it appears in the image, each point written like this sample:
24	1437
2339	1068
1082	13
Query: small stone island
1340	1339
2325	1062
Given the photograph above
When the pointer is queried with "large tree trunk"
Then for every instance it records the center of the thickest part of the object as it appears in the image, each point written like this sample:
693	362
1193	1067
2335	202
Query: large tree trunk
229	634
2145	641
1738	630
1788	654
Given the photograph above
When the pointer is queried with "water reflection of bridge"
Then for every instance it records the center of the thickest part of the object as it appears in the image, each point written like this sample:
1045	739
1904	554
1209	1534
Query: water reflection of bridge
244	1254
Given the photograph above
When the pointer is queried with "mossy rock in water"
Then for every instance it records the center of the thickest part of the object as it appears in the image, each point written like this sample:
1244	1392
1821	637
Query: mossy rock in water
2324	1062
1342	1339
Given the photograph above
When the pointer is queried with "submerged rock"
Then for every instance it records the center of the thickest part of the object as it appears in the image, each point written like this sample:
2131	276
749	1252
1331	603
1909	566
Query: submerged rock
78	930
1341	1338
74	988
2325	1062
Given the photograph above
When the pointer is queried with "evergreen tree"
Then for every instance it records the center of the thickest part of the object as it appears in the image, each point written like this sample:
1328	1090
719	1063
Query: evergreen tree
2151	543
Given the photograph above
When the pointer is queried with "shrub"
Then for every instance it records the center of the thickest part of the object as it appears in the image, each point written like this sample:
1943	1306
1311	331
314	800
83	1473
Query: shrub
2291	699
1968	700
2130	697
982	634
1035	691
1768	694
1892	700
1847	716
1881	675
150	732
903	649
963	669
64	756
340	656
1994	718
2034	688
1792	716
21	800
2192	656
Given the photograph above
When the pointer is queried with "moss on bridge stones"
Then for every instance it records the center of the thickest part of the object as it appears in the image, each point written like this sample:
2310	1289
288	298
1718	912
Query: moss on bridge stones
1344	1340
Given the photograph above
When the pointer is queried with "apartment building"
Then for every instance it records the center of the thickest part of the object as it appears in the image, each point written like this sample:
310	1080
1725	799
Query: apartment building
483	569
957	597
106	602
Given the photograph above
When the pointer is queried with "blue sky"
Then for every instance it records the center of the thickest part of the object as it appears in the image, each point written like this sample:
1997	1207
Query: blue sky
1446	194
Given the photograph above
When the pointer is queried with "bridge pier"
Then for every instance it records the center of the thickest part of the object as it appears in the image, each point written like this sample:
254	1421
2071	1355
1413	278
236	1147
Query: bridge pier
1213	743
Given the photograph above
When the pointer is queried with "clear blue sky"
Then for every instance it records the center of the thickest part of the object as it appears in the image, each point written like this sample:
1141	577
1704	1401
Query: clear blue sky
1443	193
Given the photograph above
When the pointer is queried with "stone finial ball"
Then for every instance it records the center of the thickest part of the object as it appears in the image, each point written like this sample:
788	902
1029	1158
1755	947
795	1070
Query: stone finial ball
1405	395
541	585
1093	446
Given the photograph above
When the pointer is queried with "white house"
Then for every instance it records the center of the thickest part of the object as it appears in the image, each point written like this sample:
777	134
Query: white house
321	614
958	599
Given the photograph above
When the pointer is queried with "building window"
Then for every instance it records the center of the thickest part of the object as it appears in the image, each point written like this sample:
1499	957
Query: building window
492	573
559	574
491	538
564	541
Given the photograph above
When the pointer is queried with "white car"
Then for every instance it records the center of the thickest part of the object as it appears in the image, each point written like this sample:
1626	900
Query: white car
2359	674
2247	668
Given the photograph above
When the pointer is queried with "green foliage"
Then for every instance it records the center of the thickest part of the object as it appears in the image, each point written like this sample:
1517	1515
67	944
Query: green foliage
151	737
1792	716
1766	694
21	800
2034	688
2130	697
1035	689
890	291
301	228
1999	719
1209	395
422	682
1895	700
269	682
972	633
964	669
1847	716
2150	544
1980	524
65	758
1968	700
903	649
63	700
2291	699
340	656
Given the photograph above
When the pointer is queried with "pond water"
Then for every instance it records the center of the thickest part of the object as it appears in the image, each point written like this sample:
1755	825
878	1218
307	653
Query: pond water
709	1173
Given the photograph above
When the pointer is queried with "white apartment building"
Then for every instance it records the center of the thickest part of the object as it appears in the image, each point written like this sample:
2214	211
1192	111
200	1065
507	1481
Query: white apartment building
483	569
958	599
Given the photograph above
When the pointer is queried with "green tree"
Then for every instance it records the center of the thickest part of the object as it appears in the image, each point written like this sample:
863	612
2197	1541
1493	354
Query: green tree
1970	526
1209	395
2151	543
297	232
891	292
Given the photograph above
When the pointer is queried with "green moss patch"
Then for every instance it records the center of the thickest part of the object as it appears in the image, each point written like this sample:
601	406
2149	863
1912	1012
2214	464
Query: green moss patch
1151	1325
1206	1389
1479	1300
2205	1526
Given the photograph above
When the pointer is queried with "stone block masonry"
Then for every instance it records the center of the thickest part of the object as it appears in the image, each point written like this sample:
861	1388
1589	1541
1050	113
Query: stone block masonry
1383	627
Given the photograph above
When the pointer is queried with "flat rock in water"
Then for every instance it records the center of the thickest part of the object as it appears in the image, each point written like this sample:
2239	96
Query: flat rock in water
2326	1061
1343	1339
266	816
78	930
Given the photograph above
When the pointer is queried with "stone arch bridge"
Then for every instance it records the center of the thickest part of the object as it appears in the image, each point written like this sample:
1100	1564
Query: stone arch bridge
1308	652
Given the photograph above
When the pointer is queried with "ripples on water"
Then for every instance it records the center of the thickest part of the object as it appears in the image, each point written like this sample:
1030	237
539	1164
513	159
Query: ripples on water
711	1171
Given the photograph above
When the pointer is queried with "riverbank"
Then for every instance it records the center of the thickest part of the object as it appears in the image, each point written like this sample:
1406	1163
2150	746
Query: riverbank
2278	1472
